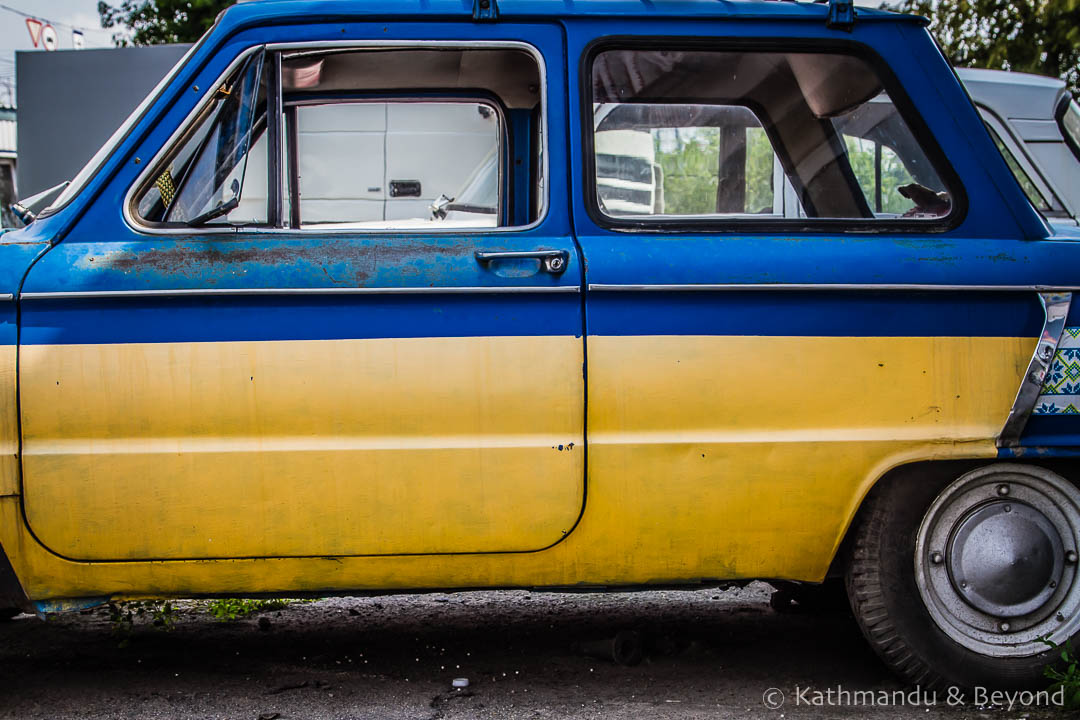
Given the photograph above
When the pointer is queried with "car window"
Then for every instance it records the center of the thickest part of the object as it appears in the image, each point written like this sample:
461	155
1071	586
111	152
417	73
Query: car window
1022	177
203	181
371	139
698	134
654	159
880	173
398	164
1070	126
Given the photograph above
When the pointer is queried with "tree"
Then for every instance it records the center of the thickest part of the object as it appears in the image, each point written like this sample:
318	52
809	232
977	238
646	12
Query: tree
1035	36
153	22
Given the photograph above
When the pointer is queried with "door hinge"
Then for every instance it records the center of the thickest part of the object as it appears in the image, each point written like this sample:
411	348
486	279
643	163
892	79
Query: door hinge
485	10
841	15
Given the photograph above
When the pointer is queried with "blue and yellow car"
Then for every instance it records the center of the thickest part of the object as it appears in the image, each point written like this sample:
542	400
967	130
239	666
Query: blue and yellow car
453	294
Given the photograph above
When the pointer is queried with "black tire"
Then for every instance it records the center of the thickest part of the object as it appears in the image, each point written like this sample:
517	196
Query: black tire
881	587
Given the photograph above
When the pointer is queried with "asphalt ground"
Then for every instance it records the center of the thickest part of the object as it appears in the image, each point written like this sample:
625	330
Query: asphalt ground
706	653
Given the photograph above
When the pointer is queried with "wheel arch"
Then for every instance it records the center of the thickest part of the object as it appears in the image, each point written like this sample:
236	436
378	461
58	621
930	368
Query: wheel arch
936	471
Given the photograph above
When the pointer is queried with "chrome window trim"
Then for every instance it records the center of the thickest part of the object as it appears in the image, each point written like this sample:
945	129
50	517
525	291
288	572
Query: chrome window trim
211	292
1056	306
130	202
741	287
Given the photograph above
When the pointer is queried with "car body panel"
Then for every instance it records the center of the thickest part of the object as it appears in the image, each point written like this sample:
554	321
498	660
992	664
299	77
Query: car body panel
672	408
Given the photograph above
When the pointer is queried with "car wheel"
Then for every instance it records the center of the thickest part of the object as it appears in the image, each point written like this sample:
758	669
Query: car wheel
957	582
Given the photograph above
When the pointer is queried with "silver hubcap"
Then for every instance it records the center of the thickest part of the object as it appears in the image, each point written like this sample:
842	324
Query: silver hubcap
996	560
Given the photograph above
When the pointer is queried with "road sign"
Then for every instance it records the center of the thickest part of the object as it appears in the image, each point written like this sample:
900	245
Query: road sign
77	39
34	26
49	38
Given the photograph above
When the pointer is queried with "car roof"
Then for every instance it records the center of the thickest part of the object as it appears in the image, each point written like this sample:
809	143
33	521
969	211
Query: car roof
1014	95
522	9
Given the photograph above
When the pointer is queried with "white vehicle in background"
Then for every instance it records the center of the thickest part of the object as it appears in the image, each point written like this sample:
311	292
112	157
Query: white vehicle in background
628	178
382	166
1036	124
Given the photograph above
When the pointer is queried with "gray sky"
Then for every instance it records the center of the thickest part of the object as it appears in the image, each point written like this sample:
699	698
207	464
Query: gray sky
63	15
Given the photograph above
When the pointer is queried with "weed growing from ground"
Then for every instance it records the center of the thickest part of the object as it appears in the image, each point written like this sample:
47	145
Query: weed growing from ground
236	608
125	614
1065	674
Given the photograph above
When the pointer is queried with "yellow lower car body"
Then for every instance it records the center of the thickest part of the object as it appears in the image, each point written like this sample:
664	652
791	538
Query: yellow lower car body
708	458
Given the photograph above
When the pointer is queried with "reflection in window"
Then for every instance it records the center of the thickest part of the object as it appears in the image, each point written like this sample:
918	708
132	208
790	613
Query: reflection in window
1022	177
725	132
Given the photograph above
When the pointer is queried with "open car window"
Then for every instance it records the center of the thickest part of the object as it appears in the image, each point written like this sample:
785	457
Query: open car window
404	164
436	138
685	135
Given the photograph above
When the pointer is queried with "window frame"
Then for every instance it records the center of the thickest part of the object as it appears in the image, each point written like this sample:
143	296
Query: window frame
890	83
168	148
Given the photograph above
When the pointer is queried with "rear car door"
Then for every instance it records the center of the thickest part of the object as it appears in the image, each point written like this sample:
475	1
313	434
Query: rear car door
755	361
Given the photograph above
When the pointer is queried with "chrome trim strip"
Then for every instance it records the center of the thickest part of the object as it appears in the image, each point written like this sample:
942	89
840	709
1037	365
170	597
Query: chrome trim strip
740	287
1056	306
204	292
129	203
6	296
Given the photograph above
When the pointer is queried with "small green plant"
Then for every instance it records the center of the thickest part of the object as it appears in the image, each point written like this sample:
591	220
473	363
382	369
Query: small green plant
125	614
1065	674
235	608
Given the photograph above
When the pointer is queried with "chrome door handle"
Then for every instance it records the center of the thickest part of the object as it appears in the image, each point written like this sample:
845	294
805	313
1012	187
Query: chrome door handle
552	261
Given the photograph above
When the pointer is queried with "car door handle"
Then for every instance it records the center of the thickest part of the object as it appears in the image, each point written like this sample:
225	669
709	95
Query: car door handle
552	261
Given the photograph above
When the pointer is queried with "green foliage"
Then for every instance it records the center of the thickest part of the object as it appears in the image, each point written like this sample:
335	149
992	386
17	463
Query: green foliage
690	171
893	174
154	22
691	168
1035	36
759	171
236	608
125	615
1065	675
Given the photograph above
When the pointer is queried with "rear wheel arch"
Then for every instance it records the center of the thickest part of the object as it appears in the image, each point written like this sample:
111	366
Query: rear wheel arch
893	595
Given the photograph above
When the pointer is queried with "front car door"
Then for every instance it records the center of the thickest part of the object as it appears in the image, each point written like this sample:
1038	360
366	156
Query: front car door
216	363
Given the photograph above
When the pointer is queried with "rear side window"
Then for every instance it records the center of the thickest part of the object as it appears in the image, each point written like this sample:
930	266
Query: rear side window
704	135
